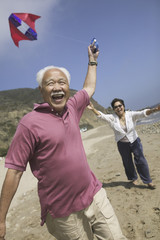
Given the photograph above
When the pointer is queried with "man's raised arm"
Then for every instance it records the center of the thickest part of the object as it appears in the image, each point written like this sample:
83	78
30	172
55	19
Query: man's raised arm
90	81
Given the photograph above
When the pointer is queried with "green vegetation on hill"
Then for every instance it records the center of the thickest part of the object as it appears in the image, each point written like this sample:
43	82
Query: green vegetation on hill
18	102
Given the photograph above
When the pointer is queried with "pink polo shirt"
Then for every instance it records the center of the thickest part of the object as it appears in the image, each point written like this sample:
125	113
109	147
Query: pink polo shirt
53	147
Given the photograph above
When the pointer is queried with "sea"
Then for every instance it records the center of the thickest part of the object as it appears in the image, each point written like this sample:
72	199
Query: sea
153	118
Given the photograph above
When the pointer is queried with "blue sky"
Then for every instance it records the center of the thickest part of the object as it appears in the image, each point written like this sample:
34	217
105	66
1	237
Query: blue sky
128	32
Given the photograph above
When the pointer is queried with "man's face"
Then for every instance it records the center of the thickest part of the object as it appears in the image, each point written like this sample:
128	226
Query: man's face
55	89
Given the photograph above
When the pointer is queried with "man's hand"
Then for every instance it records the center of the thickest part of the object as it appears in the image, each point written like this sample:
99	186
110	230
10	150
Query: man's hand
2	231
92	56
9	188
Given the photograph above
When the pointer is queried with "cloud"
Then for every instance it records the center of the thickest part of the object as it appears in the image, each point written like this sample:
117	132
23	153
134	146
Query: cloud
38	7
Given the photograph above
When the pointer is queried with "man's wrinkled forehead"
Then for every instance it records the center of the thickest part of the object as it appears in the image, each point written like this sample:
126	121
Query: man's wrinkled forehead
54	74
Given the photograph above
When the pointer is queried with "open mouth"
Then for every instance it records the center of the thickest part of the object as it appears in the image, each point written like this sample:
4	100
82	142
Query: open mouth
120	110
57	96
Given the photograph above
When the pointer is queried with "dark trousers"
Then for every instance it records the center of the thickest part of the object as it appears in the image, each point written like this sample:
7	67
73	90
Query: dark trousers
126	149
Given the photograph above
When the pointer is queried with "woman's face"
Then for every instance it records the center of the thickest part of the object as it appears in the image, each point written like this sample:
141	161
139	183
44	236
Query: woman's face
119	108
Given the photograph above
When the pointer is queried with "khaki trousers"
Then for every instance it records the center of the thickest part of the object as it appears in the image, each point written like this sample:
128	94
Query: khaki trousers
98	220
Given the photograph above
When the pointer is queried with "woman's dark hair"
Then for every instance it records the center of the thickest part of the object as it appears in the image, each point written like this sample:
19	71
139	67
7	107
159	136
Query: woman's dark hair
117	100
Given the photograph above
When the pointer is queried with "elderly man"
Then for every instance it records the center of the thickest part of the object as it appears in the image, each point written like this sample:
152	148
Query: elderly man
73	203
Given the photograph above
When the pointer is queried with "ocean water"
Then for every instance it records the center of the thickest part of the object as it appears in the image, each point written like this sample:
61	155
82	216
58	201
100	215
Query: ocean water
153	118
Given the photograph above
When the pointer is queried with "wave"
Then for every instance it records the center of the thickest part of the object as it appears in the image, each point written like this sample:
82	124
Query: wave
153	118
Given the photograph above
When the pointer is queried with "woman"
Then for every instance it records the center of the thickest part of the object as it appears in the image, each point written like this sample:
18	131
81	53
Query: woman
123	123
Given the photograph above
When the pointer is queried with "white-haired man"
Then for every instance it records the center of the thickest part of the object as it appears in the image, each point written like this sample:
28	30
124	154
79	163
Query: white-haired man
73	203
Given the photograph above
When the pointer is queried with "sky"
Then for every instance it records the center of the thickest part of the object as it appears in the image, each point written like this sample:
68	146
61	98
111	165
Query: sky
128	33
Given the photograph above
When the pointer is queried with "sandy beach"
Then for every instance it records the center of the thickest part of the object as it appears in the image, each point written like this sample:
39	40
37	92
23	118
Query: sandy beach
137	208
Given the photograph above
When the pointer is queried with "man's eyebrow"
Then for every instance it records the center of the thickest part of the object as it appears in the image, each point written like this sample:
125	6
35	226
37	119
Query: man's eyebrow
60	79
50	79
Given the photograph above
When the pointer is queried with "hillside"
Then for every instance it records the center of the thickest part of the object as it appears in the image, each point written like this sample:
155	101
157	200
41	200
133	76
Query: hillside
16	103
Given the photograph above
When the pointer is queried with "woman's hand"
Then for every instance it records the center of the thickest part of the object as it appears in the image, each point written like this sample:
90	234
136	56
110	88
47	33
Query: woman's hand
158	108
90	106
153	110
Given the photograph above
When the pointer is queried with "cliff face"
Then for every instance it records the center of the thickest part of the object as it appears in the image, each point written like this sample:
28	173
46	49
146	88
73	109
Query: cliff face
16	103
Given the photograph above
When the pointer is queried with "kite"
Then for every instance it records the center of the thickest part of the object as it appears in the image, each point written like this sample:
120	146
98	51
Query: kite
22	27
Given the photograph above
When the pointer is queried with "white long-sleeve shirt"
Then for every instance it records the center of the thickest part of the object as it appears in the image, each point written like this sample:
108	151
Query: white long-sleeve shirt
131	119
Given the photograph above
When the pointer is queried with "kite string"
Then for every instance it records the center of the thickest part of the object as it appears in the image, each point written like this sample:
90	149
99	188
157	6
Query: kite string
69	38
